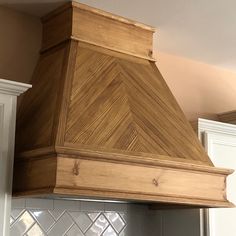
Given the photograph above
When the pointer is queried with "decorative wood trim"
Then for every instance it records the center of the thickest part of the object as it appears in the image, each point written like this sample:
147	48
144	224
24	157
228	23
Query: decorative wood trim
112	49
132	158
148	159
122	184
34	174
78	21
65	90
167	200
98	12
130	174
163	202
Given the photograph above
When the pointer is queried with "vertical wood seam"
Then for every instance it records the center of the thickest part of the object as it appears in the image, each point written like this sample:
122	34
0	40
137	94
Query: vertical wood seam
66	88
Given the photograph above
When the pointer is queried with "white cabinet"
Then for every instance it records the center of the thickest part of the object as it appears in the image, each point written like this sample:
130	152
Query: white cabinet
219	140
9	91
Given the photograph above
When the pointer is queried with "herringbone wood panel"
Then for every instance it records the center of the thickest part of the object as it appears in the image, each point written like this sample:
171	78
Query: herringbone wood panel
98	118
120	104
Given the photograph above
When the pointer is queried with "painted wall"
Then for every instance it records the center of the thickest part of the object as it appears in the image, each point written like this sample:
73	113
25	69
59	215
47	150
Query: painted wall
20	40
202	90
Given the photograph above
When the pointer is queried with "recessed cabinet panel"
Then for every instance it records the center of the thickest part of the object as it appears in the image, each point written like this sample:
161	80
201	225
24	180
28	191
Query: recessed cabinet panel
222	150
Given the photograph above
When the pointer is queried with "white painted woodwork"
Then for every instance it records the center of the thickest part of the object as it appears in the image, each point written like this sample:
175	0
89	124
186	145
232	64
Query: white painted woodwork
9	91
219	140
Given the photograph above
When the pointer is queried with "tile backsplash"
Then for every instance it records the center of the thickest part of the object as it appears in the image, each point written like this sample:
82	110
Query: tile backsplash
47	217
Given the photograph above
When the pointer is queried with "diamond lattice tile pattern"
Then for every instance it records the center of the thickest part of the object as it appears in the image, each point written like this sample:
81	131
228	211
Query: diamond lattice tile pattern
36	222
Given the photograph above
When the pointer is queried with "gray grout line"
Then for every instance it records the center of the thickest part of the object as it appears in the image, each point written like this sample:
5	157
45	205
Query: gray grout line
92	223
75	223
63	211
16	220
68	229
110	224
67	212
55	221
29	228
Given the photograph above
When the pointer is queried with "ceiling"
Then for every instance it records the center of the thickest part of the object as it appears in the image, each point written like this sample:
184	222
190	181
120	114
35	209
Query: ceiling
200	30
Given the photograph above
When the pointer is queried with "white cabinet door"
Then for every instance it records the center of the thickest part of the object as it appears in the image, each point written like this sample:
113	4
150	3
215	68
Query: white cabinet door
219	140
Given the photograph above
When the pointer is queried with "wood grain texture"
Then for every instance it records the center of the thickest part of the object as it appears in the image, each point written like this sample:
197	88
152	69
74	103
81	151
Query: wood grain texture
95	11
122	181
124	178
36	115
79	22
146	159
100	121
35	174
52	34
125	105
64	91
119	36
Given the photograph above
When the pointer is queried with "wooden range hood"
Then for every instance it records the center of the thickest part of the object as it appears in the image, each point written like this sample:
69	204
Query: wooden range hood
100	121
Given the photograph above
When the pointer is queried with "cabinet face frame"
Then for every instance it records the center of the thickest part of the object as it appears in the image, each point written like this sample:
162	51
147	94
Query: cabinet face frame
7	130
214	133
2	197
9	90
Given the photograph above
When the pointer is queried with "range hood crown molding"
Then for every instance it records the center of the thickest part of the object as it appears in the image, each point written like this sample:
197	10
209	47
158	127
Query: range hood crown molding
100	121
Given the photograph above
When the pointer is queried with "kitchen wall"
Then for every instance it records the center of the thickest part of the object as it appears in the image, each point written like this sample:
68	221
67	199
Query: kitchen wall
202	90
20	40
42	217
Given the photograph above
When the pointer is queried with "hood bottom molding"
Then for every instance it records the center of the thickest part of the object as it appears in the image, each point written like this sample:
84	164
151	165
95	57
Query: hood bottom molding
169	182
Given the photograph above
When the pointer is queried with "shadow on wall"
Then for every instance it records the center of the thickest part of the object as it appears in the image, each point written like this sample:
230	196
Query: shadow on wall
20	44
39	8
201	90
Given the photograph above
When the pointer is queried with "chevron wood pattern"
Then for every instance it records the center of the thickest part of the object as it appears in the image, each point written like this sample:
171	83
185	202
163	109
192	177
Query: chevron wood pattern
122	104
98	107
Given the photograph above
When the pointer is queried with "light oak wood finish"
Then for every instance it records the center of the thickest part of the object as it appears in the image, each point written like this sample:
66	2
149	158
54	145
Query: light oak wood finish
36	115
127	179
83	177
80	22
100	120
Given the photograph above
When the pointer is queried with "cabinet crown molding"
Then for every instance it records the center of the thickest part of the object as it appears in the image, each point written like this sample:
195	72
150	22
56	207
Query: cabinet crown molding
205	125
12	87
